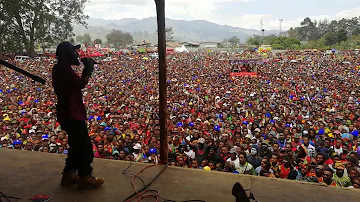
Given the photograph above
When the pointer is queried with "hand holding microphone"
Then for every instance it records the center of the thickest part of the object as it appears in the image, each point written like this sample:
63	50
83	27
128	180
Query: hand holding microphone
95	62
89	66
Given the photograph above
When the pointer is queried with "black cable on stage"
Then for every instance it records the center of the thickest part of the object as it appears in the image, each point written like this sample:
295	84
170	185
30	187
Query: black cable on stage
151	190
2	195
147	185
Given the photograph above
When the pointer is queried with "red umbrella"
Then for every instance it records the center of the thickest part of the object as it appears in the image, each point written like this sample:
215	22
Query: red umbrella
97	54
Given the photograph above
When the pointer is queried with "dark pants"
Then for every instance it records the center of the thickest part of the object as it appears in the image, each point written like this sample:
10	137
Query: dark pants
80	153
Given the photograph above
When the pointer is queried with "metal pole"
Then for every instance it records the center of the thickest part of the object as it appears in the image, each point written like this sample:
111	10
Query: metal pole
21	71
160	10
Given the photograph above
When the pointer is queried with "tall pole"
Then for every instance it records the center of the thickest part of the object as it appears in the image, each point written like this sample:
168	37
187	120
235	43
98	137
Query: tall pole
160	10
262	30
1	38
280	21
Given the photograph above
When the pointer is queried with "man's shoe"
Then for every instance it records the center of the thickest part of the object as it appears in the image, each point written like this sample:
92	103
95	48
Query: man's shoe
89	182
69	178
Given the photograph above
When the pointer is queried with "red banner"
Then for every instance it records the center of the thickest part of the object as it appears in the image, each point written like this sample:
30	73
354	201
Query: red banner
236	74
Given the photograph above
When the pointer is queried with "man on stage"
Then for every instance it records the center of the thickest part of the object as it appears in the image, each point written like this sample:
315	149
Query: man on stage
71	115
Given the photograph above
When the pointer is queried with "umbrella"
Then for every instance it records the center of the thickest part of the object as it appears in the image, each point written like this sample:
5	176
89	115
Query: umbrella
98	54
145	58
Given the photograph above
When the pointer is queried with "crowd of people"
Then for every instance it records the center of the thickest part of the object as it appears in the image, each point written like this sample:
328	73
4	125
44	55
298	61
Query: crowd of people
298	120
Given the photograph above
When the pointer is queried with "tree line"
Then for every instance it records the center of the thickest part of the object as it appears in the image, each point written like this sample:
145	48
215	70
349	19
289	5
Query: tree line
115	38
233	41
118	39
26	23
31	24
323	34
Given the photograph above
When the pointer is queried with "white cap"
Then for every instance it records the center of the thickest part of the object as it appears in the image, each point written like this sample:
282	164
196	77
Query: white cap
137	146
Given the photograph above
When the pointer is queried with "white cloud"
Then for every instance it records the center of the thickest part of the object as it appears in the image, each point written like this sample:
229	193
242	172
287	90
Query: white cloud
274	24
175	9
247	21
120	2
355	12
198	10
107	10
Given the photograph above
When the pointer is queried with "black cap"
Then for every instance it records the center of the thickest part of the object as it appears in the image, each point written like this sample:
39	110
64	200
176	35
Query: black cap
66	47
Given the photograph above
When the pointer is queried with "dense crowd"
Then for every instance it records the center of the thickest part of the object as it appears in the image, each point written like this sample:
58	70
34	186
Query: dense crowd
298	120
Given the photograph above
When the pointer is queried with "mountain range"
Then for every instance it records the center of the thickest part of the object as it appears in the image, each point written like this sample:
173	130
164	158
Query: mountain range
145	29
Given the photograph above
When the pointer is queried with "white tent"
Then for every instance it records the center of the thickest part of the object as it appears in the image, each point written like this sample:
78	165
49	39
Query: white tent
182	49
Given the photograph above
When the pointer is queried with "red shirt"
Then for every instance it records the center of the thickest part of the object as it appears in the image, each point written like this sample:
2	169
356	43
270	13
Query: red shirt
98	155
68	85
225	158
284	172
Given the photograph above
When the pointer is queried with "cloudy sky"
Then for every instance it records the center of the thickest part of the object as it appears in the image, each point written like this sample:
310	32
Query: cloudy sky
240	13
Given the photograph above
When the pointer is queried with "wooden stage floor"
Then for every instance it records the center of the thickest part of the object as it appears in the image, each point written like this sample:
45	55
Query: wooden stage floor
24	174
